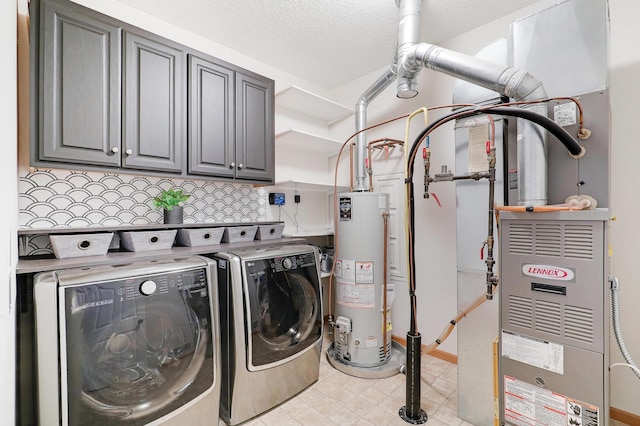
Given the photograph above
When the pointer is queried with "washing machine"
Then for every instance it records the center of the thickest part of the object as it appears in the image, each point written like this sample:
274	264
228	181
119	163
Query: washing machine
271	327
132	344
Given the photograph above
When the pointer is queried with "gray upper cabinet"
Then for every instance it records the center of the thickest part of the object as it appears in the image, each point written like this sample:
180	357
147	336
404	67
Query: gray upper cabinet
80	89
230	121
153	117
211	118
254	127
108	96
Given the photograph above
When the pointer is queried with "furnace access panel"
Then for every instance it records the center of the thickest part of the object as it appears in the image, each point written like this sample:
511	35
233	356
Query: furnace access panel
554	295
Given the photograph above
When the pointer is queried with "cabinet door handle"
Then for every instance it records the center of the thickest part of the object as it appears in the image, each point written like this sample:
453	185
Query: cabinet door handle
232	165
115	149
240	166
128	152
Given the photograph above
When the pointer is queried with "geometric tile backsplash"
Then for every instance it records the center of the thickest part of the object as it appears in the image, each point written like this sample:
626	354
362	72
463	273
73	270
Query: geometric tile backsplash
51	198
60	198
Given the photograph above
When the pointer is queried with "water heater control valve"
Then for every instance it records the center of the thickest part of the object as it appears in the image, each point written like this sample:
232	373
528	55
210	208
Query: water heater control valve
343	325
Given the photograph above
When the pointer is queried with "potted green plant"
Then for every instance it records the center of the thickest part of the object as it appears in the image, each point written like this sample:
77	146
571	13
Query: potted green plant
169	200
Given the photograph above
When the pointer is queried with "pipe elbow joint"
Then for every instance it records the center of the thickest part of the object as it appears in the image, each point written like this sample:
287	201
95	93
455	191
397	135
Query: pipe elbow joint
409	63
520	85
408	69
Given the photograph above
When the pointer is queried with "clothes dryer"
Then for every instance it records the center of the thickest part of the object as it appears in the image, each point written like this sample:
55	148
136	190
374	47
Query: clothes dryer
131	344
271	327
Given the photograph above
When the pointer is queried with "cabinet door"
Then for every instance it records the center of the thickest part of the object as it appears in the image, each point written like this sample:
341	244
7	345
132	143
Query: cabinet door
211	118
80	99
154	71
254	127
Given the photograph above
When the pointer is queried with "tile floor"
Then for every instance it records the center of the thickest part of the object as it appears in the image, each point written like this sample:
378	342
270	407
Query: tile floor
339	399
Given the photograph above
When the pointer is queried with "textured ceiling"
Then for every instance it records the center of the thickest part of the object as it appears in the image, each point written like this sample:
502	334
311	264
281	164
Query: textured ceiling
325	42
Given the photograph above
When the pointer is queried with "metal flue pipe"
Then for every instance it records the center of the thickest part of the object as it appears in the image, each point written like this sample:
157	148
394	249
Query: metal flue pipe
408	35
516	84
412	56
361	121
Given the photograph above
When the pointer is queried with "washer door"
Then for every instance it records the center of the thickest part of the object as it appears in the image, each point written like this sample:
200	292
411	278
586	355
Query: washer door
133	357
284	309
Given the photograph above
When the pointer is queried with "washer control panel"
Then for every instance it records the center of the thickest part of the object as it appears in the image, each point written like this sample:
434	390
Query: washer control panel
159	284
301	260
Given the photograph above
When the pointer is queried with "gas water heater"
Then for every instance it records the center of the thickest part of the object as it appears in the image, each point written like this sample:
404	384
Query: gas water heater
554	298
362	332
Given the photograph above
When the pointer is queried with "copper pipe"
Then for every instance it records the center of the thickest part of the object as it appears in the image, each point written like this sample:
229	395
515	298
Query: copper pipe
386	142
535	209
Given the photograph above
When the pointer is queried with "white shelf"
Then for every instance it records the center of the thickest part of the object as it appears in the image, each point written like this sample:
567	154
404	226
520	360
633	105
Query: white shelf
309	233
298	139
308	103
310	186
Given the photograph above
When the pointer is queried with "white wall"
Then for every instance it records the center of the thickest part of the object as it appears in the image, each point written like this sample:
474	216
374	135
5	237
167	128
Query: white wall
435	227
8	236
625	231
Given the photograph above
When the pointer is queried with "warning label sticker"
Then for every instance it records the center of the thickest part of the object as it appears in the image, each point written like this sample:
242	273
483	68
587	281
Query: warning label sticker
364	272
582	414
371	342
345	270
565	114
354	283
529	405
355	295
537	352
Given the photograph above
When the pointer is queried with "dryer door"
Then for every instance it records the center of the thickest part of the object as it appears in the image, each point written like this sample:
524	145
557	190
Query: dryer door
284	308
135	349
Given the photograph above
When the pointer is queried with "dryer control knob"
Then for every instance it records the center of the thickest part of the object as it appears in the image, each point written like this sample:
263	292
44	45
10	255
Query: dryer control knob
287	263
148	288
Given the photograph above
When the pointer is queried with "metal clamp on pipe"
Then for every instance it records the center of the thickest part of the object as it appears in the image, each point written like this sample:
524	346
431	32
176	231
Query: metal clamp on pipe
444	175
426	156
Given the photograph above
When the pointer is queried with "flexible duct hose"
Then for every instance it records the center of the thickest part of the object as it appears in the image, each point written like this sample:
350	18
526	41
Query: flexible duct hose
615	319
575	149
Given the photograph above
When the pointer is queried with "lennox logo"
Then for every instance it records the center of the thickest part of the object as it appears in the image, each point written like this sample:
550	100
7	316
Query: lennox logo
548	272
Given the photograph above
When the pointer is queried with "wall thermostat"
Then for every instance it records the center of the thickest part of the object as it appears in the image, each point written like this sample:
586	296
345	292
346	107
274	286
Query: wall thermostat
276	198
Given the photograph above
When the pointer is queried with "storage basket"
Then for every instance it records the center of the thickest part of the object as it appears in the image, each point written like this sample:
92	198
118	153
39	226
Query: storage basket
200	236
78	245
269	232
235	234
147	240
